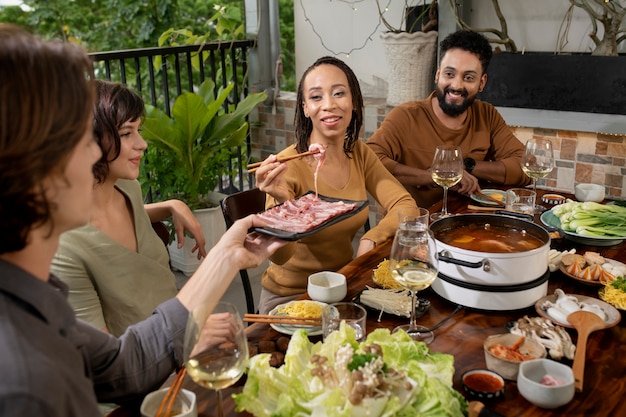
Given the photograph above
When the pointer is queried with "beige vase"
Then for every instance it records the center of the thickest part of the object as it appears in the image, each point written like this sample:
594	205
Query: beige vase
411	63
213	226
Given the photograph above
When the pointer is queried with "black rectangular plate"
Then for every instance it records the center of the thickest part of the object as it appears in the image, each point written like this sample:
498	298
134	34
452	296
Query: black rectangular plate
292	236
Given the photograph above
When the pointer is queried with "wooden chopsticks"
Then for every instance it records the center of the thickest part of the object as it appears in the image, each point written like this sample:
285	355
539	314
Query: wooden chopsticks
256	165
266	318
481	208
490	198
165	409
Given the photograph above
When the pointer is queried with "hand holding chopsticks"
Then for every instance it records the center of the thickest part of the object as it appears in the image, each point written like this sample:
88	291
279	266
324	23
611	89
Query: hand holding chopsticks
254	166
291	320
165	409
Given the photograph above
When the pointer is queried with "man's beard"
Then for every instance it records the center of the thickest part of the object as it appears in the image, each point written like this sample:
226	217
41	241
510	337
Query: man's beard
454	110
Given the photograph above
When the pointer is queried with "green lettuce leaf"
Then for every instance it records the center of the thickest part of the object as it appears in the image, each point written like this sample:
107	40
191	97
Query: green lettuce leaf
291	390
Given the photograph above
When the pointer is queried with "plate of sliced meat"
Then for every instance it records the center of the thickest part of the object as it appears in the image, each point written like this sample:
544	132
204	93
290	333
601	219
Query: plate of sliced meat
306	215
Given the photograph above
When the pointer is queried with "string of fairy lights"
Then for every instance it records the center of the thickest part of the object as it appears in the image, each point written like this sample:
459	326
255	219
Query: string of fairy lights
354	5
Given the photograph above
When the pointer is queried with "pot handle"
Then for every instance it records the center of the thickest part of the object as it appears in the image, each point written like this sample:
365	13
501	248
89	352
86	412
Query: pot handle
444	256
523	216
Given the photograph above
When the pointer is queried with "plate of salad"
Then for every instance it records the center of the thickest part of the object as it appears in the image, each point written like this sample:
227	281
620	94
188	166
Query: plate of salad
330	378
588	223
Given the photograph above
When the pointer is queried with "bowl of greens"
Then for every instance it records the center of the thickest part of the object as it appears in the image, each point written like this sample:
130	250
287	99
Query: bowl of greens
588	223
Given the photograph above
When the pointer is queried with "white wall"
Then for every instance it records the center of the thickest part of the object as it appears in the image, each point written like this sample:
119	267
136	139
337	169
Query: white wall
533	24
339	28
351	35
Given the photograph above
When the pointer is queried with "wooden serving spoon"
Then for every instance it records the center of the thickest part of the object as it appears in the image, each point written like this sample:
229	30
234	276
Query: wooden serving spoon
585	323
478	409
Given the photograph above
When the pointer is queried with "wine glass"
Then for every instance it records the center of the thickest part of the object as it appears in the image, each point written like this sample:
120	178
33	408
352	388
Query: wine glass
216	347
413	264
446	170
537	163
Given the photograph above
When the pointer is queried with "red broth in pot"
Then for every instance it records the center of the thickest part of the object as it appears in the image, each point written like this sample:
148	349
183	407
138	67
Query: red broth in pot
490	238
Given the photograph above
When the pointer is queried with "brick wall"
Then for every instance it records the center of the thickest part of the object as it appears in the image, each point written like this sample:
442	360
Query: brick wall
580	156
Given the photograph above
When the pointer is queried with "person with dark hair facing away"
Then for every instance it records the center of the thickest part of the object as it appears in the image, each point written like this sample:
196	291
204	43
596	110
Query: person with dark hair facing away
118	256
406	140
328	117
53	364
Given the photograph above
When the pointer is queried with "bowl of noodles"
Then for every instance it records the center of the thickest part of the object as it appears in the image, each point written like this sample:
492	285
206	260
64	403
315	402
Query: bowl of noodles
614	293
383	278
389	297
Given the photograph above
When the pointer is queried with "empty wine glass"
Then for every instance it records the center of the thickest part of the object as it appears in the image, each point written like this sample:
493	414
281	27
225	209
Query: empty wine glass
537	163
413	264
216	347
446	170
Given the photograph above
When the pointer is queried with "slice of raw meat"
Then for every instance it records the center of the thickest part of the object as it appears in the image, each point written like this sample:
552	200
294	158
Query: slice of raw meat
304	213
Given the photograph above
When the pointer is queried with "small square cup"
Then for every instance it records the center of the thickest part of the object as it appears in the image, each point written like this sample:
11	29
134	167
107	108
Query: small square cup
184	406
507	368
353	314
589	192
521	200
529	383
327	287
414	217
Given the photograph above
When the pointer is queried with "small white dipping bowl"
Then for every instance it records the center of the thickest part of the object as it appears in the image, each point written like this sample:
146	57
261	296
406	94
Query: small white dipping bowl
589	192
184	406
327	287
545	396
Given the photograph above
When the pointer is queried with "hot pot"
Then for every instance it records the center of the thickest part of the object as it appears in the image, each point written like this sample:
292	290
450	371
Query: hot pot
491	281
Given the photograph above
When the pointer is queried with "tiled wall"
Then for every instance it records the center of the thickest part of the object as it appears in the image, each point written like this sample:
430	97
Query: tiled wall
581	157
598	158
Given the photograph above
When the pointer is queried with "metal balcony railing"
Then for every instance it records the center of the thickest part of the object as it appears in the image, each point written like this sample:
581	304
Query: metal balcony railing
161	74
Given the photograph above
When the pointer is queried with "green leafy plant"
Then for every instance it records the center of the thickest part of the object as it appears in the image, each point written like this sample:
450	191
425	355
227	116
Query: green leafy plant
189	150
225	25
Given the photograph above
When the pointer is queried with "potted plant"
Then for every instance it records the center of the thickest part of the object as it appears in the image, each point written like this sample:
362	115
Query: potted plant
188	155
560	81
410	49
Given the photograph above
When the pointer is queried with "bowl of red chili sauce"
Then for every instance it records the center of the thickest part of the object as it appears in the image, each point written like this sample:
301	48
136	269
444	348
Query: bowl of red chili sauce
483	384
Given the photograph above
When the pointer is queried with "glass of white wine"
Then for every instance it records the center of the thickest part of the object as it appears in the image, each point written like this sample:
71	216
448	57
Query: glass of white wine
537	163
446	170
216	347
414	264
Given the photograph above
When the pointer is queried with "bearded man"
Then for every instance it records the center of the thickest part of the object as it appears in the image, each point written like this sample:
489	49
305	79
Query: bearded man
451	115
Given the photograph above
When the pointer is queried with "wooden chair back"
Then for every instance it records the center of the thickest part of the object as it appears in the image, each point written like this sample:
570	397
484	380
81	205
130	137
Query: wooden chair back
235	207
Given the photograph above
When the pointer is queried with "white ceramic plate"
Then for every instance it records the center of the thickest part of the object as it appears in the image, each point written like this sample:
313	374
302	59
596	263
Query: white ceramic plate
491	193
613	316
574	277
550	219
562	267
291	329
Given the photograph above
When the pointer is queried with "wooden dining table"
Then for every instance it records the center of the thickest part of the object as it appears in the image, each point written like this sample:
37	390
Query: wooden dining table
463	335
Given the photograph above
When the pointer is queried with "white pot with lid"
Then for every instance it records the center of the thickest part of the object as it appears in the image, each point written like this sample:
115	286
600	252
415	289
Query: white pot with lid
488	280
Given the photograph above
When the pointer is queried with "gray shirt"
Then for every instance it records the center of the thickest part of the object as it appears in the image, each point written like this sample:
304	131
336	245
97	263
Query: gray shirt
54	365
